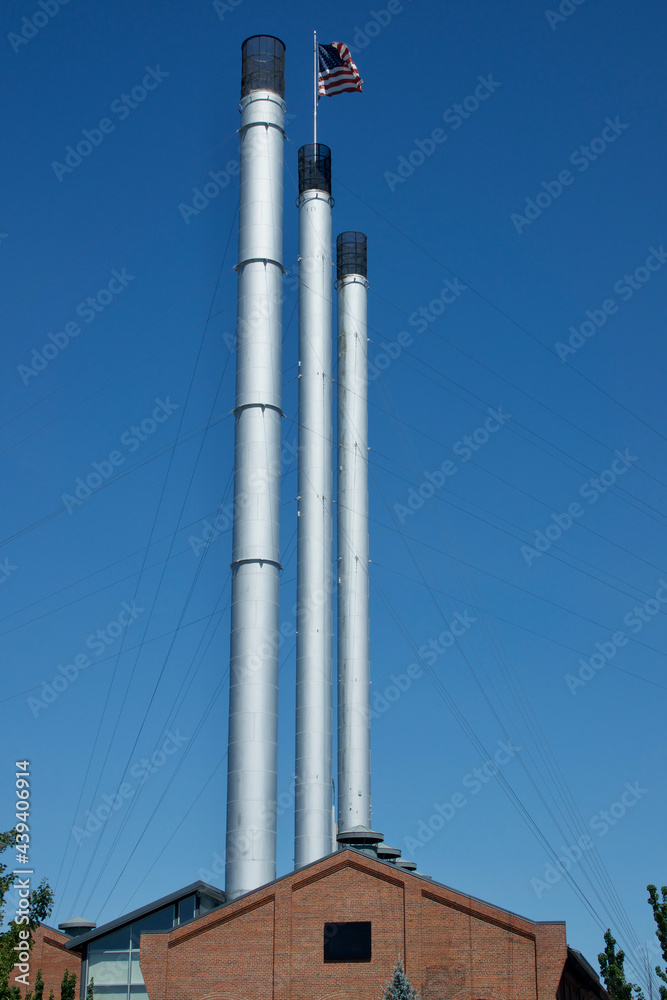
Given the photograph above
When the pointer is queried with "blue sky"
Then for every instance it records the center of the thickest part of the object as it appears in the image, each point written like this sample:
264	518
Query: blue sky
503	161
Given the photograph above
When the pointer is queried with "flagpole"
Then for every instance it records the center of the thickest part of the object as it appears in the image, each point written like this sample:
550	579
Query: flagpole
314	88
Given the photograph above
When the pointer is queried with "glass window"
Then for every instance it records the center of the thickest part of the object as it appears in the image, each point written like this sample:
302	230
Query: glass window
347	942
111	992
135	971
207	903
115	941
163	920
186	909
109	969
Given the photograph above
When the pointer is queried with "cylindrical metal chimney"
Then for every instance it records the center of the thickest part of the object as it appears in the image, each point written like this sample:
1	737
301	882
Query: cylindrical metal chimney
253	695
354	743
313	834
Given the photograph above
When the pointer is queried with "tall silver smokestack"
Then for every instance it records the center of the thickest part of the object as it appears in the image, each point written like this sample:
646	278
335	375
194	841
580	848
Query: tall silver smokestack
313	834
354	734
253	695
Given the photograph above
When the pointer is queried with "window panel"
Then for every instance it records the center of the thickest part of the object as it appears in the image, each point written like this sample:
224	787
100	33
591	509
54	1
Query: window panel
207	903
347	942
109	969
163	920
111	992
186	909
135	972
115	941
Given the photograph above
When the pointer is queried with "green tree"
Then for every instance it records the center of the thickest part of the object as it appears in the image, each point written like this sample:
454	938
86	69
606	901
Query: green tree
399	987
613	972
659	907
90	992
40	904
68	986
39	987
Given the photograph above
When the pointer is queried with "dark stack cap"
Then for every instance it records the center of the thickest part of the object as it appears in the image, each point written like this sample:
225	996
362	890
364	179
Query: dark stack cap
351	254
263	65
315	168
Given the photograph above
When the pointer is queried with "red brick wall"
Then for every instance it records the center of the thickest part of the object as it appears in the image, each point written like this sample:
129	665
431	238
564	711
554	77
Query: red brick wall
234	955
348	893
551	957
268	945
469	954
50	955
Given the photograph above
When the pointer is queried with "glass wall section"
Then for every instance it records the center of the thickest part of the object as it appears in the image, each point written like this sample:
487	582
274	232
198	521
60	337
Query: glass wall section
113	960
207	903
161	920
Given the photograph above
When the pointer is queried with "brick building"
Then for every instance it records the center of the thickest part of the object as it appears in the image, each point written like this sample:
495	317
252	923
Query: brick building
330	931
50	954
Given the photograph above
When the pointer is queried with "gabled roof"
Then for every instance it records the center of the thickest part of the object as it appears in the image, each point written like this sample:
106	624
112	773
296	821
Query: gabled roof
144	911
391	867
335	856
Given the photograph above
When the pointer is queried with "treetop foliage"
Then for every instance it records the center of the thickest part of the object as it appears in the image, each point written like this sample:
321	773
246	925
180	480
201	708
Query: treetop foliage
399	987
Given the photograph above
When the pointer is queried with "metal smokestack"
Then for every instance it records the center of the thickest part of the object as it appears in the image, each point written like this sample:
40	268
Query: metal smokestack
313	834
253	696
354	744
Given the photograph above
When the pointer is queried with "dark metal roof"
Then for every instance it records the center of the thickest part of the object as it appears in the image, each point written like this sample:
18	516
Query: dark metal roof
144	911
578	966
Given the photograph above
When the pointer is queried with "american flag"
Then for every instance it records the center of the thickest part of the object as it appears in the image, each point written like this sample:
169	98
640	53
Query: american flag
337	72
